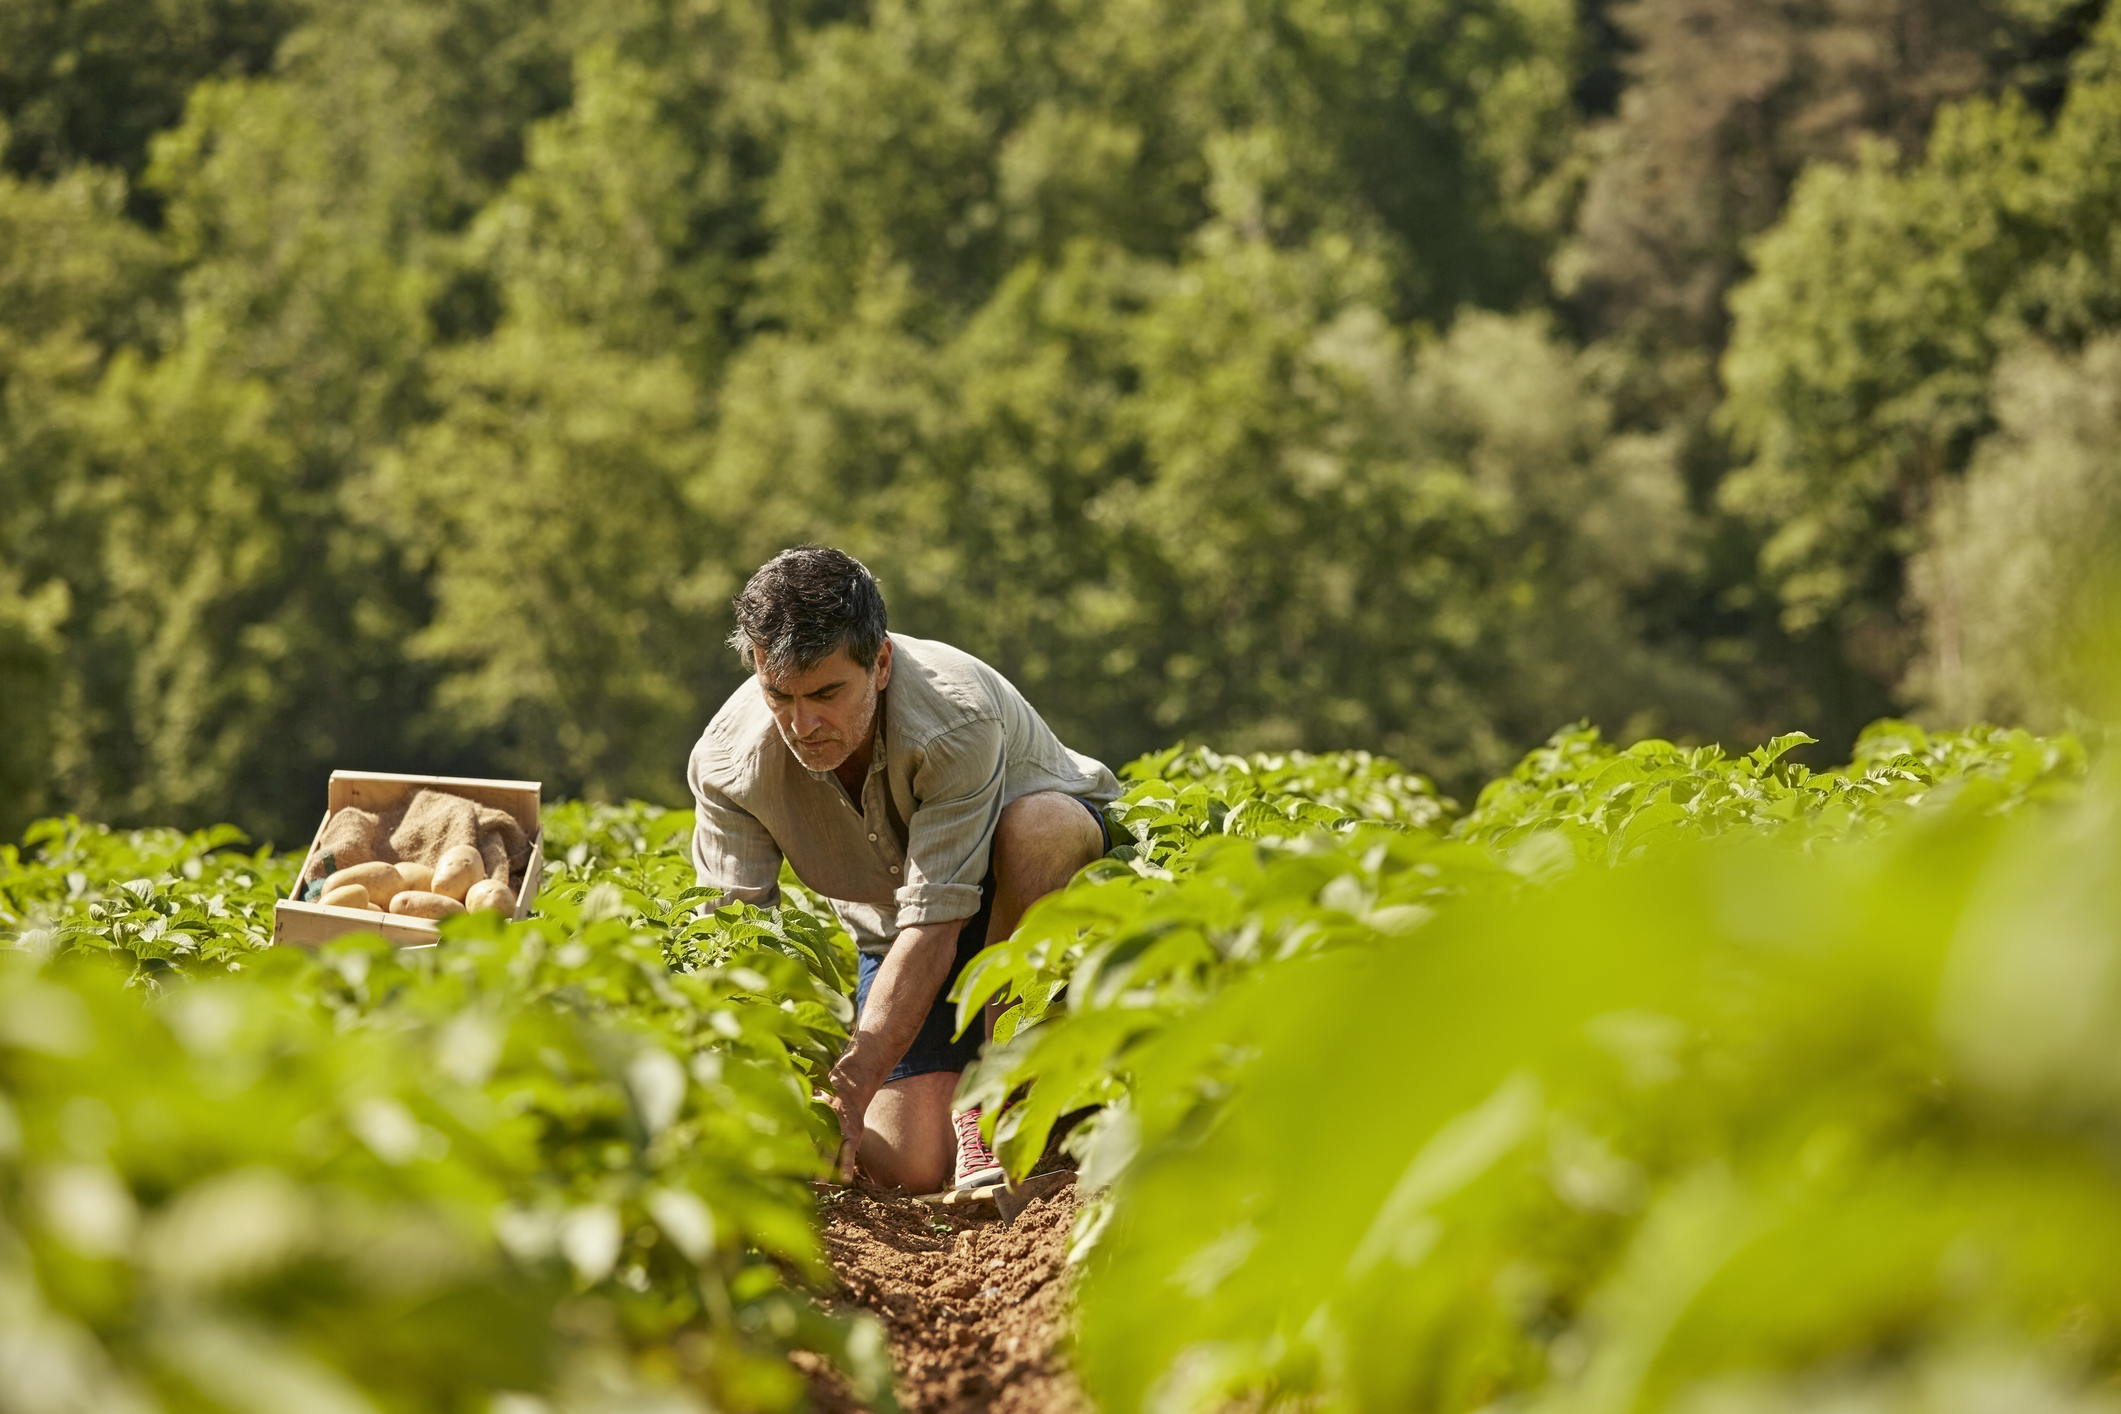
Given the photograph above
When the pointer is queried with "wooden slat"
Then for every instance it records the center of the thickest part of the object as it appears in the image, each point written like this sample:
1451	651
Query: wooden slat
308	924
533	875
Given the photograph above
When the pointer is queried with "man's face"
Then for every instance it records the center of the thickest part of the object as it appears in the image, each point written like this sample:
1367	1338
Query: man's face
826	713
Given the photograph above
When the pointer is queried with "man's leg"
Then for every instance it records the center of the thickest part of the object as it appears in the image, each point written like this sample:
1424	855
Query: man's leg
1041	841
907	1139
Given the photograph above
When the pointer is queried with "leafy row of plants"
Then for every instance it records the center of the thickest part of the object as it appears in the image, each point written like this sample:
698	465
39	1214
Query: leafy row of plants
1240	866
1733	1128
1660	1079
558	1164
1411	1106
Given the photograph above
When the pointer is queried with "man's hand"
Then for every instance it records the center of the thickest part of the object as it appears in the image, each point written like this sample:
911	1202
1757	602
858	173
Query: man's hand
854	1084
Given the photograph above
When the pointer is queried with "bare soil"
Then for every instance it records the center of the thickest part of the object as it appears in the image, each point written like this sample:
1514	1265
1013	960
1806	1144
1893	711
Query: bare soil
975	1312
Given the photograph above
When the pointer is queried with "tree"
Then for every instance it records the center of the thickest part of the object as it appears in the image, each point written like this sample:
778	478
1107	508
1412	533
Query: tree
2017	561
93	81
185	454
955	139
77	281
1229	497
1728	103
1860	359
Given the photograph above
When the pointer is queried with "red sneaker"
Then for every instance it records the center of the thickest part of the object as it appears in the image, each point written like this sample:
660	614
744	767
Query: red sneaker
976	1167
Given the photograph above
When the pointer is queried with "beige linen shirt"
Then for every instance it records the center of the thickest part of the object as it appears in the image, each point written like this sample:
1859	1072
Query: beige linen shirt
955	743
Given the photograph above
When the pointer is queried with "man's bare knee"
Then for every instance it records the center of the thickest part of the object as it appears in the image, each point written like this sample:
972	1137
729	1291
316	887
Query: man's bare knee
907	1140
1043	839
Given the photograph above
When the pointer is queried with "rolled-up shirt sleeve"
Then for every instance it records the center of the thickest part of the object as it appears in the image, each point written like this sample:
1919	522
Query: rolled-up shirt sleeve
958	802
731	850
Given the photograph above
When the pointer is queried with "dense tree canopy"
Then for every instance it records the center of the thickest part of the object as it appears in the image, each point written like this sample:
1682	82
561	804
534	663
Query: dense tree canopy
1864	366
411	383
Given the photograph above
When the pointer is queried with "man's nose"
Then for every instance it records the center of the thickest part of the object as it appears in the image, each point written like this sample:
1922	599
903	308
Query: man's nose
806	720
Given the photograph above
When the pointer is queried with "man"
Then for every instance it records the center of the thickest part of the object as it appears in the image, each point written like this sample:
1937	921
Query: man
911	785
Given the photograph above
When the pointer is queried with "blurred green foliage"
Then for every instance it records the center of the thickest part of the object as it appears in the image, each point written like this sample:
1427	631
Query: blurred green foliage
1735	1127
1900	308
1238	866
1659	1077
410	384
564	1162
1751	1116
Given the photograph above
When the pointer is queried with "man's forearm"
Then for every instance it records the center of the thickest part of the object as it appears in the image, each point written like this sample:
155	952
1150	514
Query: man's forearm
906	987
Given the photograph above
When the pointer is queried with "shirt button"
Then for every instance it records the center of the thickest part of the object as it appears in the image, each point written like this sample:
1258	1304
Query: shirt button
872	839
894	869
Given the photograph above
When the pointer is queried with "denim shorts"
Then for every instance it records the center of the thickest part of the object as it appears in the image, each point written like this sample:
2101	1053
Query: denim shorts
935	1049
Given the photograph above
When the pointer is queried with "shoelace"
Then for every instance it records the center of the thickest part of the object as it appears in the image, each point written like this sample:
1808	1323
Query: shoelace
972	1152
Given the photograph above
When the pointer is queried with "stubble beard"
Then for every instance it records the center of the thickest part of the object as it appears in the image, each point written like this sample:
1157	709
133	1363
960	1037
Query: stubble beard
840	749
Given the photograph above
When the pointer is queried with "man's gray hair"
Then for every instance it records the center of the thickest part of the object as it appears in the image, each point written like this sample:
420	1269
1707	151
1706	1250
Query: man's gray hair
805	604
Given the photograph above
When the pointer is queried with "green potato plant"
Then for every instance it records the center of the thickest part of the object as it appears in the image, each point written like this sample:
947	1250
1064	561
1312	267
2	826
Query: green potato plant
1543	1102
565	1162
1730	1126
1238	866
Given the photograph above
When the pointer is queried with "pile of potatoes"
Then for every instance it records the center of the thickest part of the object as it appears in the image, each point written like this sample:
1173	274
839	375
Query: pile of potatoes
456	882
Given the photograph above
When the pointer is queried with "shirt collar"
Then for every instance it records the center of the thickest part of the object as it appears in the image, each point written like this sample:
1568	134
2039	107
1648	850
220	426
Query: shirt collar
876	759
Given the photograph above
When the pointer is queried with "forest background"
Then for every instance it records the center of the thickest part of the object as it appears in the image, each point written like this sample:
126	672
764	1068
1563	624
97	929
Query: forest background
409	384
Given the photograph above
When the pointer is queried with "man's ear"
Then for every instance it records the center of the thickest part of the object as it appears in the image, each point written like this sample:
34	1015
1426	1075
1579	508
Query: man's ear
883	666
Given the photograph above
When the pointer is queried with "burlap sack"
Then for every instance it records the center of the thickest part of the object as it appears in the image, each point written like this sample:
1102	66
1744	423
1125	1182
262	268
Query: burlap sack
503	845
349	837
430	823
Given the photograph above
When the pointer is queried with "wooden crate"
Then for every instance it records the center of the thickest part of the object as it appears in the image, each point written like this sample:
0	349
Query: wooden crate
308	924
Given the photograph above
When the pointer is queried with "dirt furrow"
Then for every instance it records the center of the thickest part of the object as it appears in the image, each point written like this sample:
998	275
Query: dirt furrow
975	1312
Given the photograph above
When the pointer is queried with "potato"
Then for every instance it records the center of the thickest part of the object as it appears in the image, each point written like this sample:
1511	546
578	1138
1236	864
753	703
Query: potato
417	876
347	896
418	903
382	882
457	870
493	894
